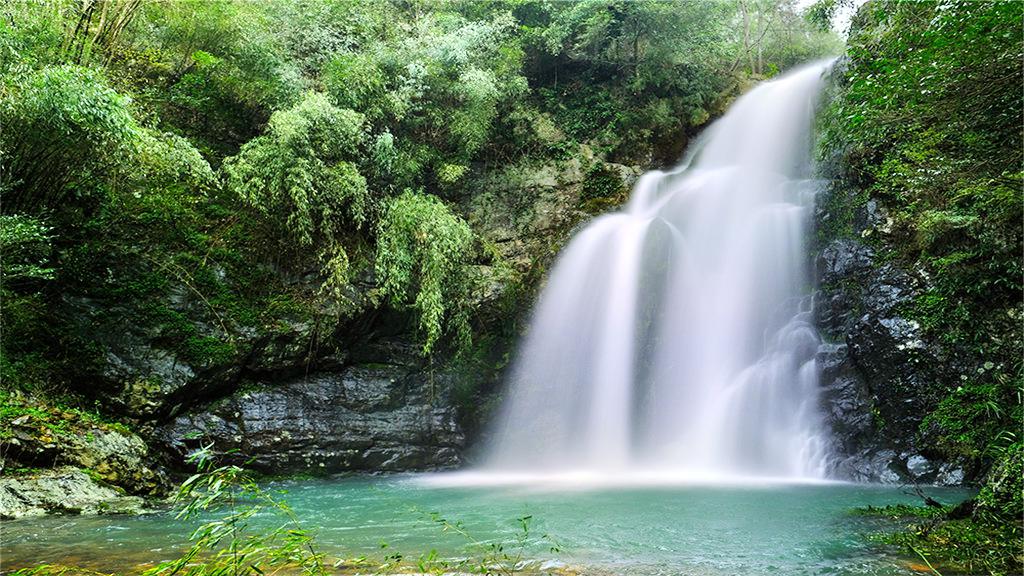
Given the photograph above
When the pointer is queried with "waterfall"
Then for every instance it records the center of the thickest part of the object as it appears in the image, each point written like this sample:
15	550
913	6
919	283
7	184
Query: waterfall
675	336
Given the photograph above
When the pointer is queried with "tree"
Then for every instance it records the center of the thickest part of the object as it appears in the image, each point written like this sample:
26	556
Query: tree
63	126
774	36
435	90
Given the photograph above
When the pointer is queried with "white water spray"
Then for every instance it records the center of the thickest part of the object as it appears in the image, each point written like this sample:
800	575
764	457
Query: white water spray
674	338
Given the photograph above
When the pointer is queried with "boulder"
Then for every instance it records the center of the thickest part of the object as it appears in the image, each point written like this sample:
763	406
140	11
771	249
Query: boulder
62	490
115	456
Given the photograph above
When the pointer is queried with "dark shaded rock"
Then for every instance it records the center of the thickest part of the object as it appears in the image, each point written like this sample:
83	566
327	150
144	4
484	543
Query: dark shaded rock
846	400
371	417
844	259
879	371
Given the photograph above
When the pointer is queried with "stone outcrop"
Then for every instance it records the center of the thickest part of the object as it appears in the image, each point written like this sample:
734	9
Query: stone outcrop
368	417
877	366
117	457
65	490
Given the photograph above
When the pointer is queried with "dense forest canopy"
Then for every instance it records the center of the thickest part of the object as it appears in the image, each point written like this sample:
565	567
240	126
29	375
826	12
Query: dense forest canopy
220	143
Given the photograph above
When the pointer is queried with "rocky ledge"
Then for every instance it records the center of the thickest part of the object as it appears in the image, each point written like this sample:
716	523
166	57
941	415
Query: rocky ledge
65	490
368	417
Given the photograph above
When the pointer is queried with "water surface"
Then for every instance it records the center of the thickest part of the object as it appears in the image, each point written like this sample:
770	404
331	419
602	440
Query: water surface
794	529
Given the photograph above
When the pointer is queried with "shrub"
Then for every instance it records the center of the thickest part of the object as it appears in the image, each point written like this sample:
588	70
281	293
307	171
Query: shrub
422	249
298	177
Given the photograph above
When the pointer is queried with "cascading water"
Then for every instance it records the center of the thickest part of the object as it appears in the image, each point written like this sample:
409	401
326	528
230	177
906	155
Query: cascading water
675	337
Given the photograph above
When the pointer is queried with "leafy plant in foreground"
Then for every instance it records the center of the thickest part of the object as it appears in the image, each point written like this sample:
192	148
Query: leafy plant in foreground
227	544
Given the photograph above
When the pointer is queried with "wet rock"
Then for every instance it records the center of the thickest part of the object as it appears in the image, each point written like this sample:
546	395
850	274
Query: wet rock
950	475
529	212
118	457
879	370
845	258
870	466
918	466
62	490
887	288
371	417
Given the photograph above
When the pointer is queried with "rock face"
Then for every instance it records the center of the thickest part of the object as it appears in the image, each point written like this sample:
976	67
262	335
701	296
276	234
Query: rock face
365	417
116	457
877	367
61	490
355	395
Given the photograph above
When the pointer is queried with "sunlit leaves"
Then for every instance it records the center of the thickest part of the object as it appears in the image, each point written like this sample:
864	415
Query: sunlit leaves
434	90
296	169
299	176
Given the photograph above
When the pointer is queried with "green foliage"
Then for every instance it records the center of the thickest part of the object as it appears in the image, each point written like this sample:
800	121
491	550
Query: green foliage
927	120
902	511
62	126
297	169
435	90
1001	497
297	176
603	189
929	115
25	246
422	249
30	37
228	544
166	160
635	73
50	421
821	13
962	546
602	181
631	77
972	417
774	36
221	68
